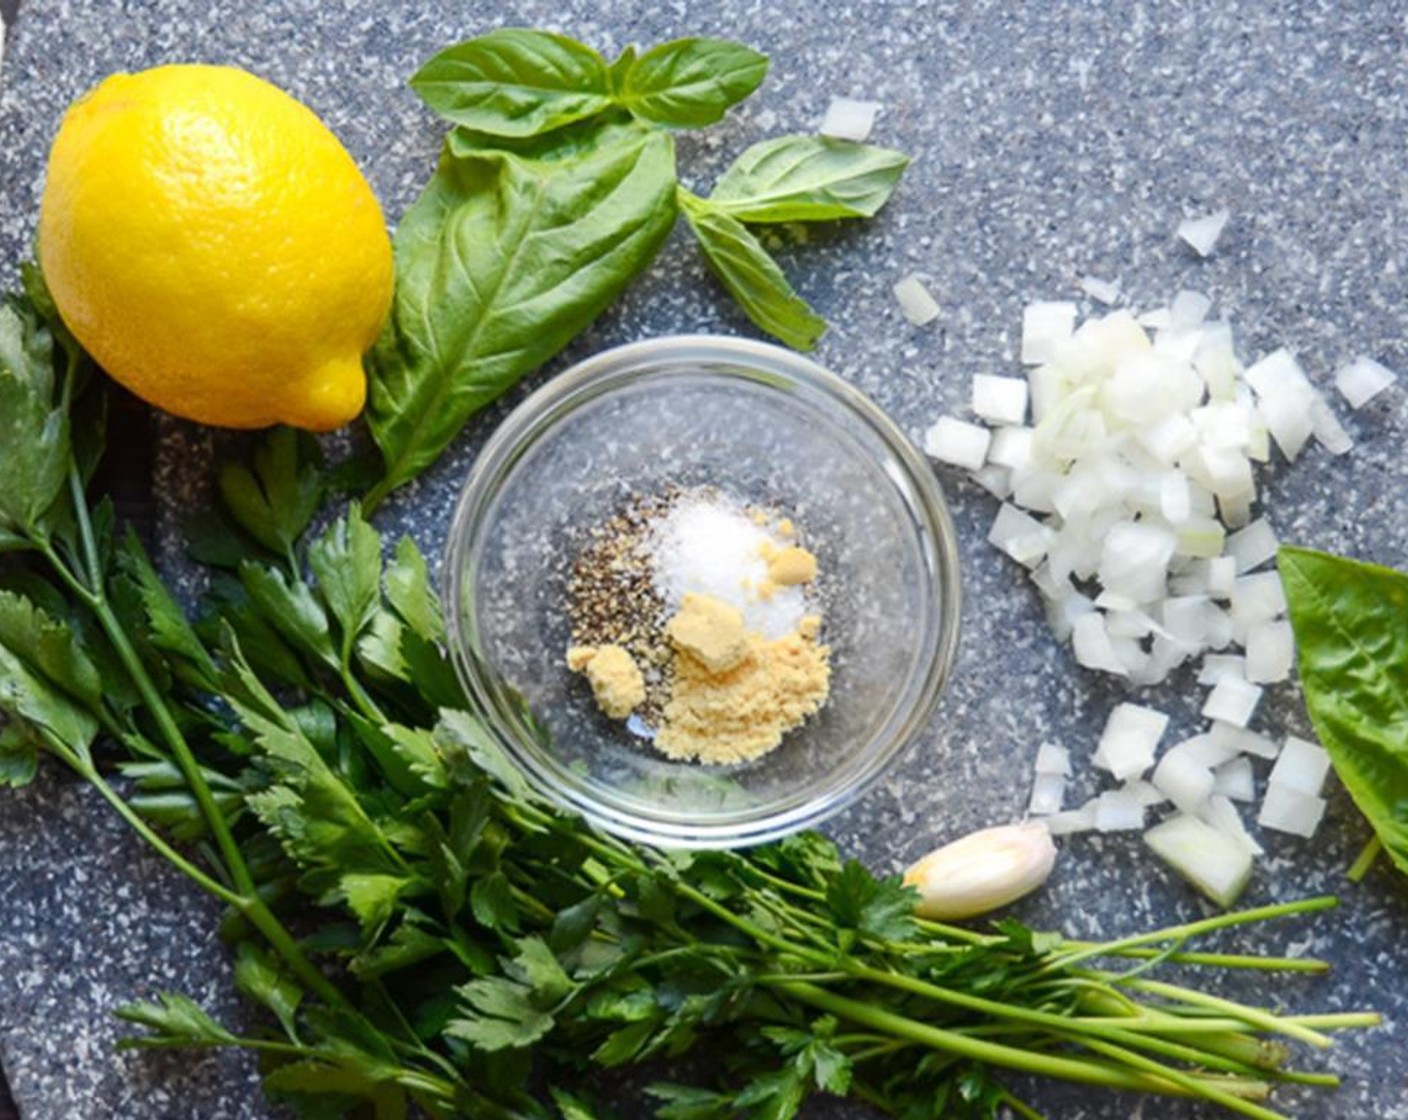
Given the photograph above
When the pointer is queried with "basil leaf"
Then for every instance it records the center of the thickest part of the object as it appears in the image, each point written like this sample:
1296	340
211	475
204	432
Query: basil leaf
515	82
499	264
1351	626
690	82
745	269
808	179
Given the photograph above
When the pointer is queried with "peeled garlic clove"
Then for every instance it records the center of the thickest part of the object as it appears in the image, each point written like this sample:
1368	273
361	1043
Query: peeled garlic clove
982	871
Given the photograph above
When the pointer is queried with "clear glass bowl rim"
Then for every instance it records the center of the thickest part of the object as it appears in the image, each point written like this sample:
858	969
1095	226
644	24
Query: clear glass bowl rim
598	375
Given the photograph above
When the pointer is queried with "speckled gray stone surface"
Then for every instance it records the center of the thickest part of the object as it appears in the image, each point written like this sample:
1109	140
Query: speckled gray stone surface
1050	141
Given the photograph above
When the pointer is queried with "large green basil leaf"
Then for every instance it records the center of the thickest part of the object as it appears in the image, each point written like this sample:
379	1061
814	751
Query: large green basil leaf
743	266
1351	627
808	179
501	261
690	82
515	82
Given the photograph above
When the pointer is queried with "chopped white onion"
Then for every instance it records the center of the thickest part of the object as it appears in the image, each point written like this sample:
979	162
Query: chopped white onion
1072	821
1362	380
1001	400
1091	643
916	304
1215	863
1289	810
1020	535
847	119
996	480
1232	701
1301	766
1215	666
1184	781
1119	811
1188	309
1130	738
1222	576
1205	750
1223	816
1101	291
1201	234
1270	652
1233	779
1045	326
1011	447
1241	741
1148	794
1051	759
1253	546
1328	430
957	442
1048	791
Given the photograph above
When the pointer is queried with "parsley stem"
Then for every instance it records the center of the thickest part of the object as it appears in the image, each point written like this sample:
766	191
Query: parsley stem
1252	1016
1365	860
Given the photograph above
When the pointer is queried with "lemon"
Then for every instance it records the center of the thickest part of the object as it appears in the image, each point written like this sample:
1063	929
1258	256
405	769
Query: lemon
215	248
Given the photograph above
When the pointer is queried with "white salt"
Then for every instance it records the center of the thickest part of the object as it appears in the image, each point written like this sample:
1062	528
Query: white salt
708	545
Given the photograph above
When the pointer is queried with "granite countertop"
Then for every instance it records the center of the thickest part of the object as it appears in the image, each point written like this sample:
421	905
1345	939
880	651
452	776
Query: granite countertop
1050	141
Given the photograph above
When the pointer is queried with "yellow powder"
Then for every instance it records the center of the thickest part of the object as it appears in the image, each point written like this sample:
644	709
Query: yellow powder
614	676
710	631
791	566
743	711
785	528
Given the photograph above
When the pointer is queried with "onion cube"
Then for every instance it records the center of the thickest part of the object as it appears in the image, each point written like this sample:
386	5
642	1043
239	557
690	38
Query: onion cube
1134	559
1101	291
1011	447
1175	498
1072	821
1127	623
1289	810
1146	793
1119	811
1276	372
1253	546
1188	309
1270	652
1130	738
1203	537
1362	380
1048	791
916	304
1235	511
1232	701
1186	783
1092	646
1206	750
1301	766
1045	326
1328	430
1241	741
1223	816
1020	535
1216	864
1201	234
1221	576
1233	779
957	442
1001	400
1217	665
1259	597
847	119
1051	759
1168	438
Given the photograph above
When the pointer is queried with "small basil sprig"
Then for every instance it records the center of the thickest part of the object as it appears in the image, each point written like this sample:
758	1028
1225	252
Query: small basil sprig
557	187
1351	626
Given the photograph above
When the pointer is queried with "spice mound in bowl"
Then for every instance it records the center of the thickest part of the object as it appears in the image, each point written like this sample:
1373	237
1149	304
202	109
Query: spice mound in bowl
693	620
702	591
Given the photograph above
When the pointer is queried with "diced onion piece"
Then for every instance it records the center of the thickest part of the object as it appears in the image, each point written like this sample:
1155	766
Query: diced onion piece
1147	793
1092	645
1101	291
1253	546
1259	597
1301	766
1048	791
1045	326
1175	497
1051	759
1215	666
1184	781
1270	652
1130	738
1001	400
1233	779
1232	701
1289	810
1011	447
1020	535
1168	438
1241	741
1134	559
1223	816
1201	234
1217	864
1205	750
1071	821
957	442
1362	380
1222	576
996	480
1188	309
847	119
916	304
1328	430
1119	811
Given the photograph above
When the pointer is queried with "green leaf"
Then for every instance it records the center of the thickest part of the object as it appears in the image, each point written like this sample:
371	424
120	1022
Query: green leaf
500	263
19	755
514	1010
50	648
690	82
458	734
33	432
883	908
491	900
689	1102
167	626
410	594
346	560
274	501
26	690
258	977
174	1020
321	1079
572	1107
776	1095
1351	628
290	608
515	82
372	897
807	179
744	267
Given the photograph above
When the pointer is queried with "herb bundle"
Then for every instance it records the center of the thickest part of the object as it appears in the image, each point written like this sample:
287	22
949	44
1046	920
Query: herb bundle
421	930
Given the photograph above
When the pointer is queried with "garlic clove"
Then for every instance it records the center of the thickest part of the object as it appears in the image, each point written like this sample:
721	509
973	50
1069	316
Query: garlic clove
982	871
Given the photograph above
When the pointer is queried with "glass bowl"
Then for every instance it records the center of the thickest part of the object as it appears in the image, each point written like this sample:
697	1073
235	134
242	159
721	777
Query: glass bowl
767	427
